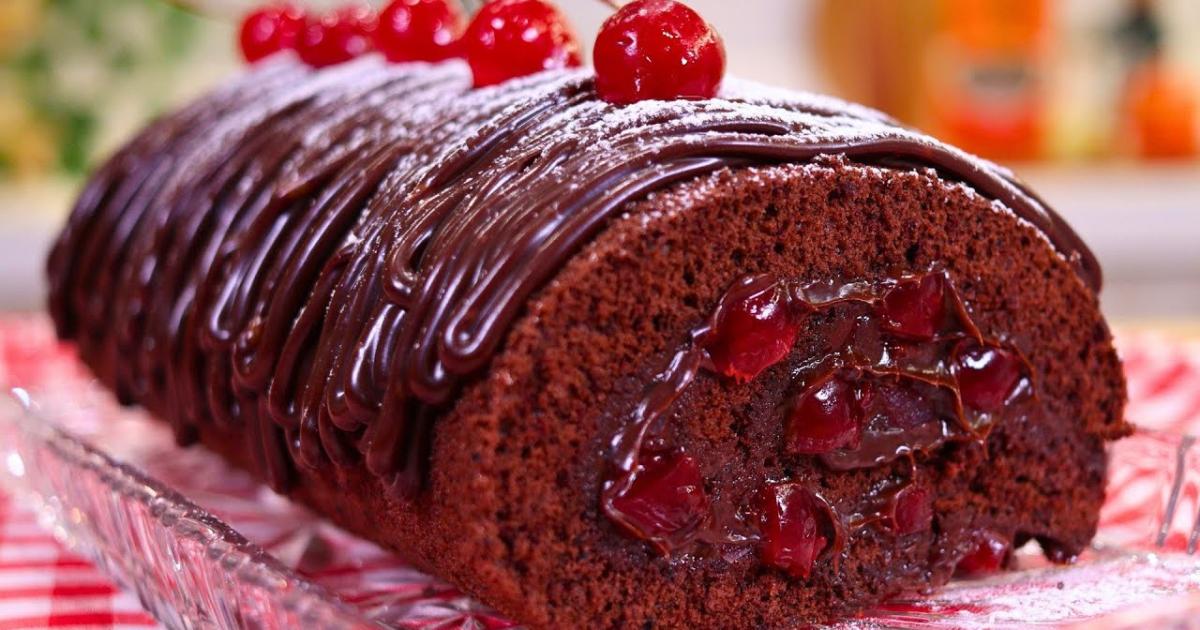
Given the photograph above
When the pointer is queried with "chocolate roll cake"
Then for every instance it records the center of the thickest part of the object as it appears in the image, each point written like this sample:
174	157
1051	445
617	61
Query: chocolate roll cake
749	361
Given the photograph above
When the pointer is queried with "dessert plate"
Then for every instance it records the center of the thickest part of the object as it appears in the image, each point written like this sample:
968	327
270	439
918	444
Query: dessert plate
205	545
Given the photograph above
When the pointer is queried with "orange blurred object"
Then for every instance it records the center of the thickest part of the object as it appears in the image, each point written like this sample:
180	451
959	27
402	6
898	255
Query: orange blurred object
987	72
1161	112
972	72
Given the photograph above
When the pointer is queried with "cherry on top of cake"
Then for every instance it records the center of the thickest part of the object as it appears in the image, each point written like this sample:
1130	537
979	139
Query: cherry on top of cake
420	30
513	38
657	49
333	38
268	30
648	49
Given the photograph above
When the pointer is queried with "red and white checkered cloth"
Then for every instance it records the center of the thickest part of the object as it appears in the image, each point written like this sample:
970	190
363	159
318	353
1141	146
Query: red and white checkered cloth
42	585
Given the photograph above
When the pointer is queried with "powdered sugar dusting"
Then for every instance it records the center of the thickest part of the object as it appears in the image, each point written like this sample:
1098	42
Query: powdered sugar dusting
390	215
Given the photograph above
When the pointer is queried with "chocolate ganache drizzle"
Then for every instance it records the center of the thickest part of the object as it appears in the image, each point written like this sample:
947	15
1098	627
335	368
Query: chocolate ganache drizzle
322	257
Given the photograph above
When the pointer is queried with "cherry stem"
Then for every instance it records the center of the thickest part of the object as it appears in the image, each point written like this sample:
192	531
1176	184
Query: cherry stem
615	4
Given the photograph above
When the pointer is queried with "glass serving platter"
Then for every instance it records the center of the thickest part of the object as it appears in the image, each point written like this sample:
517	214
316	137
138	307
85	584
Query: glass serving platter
205	545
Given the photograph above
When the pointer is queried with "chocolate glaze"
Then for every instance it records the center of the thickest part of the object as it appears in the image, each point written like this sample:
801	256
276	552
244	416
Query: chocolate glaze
322	257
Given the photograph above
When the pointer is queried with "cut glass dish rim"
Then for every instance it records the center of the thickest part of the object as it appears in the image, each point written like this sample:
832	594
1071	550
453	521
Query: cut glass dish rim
224	549
266	590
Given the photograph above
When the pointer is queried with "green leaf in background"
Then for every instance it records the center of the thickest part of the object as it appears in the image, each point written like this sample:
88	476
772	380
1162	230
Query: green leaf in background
80	70
179	32
32	64
79	127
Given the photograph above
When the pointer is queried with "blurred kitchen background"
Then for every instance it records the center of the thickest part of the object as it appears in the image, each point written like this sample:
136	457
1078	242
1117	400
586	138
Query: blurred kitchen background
1095	102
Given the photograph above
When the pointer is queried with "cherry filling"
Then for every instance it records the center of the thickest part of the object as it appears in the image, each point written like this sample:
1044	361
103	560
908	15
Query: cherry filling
987	376
912	509
795	526
824	418
755	328
989	552
900	403
890	416
899	369
916	307
665	503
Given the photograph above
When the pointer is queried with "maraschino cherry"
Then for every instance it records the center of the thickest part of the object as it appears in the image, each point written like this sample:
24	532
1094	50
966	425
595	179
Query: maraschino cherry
916	307
657	49
756	327
987	376
795	527
665	503
988	554
822	419
338	37
514	38
271	29
419	30
912	509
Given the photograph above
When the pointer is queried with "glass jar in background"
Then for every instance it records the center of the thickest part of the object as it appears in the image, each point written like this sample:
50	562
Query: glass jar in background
1024	79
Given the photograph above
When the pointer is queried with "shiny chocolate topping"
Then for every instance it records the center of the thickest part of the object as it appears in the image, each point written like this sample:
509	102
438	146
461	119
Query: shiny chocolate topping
321	258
